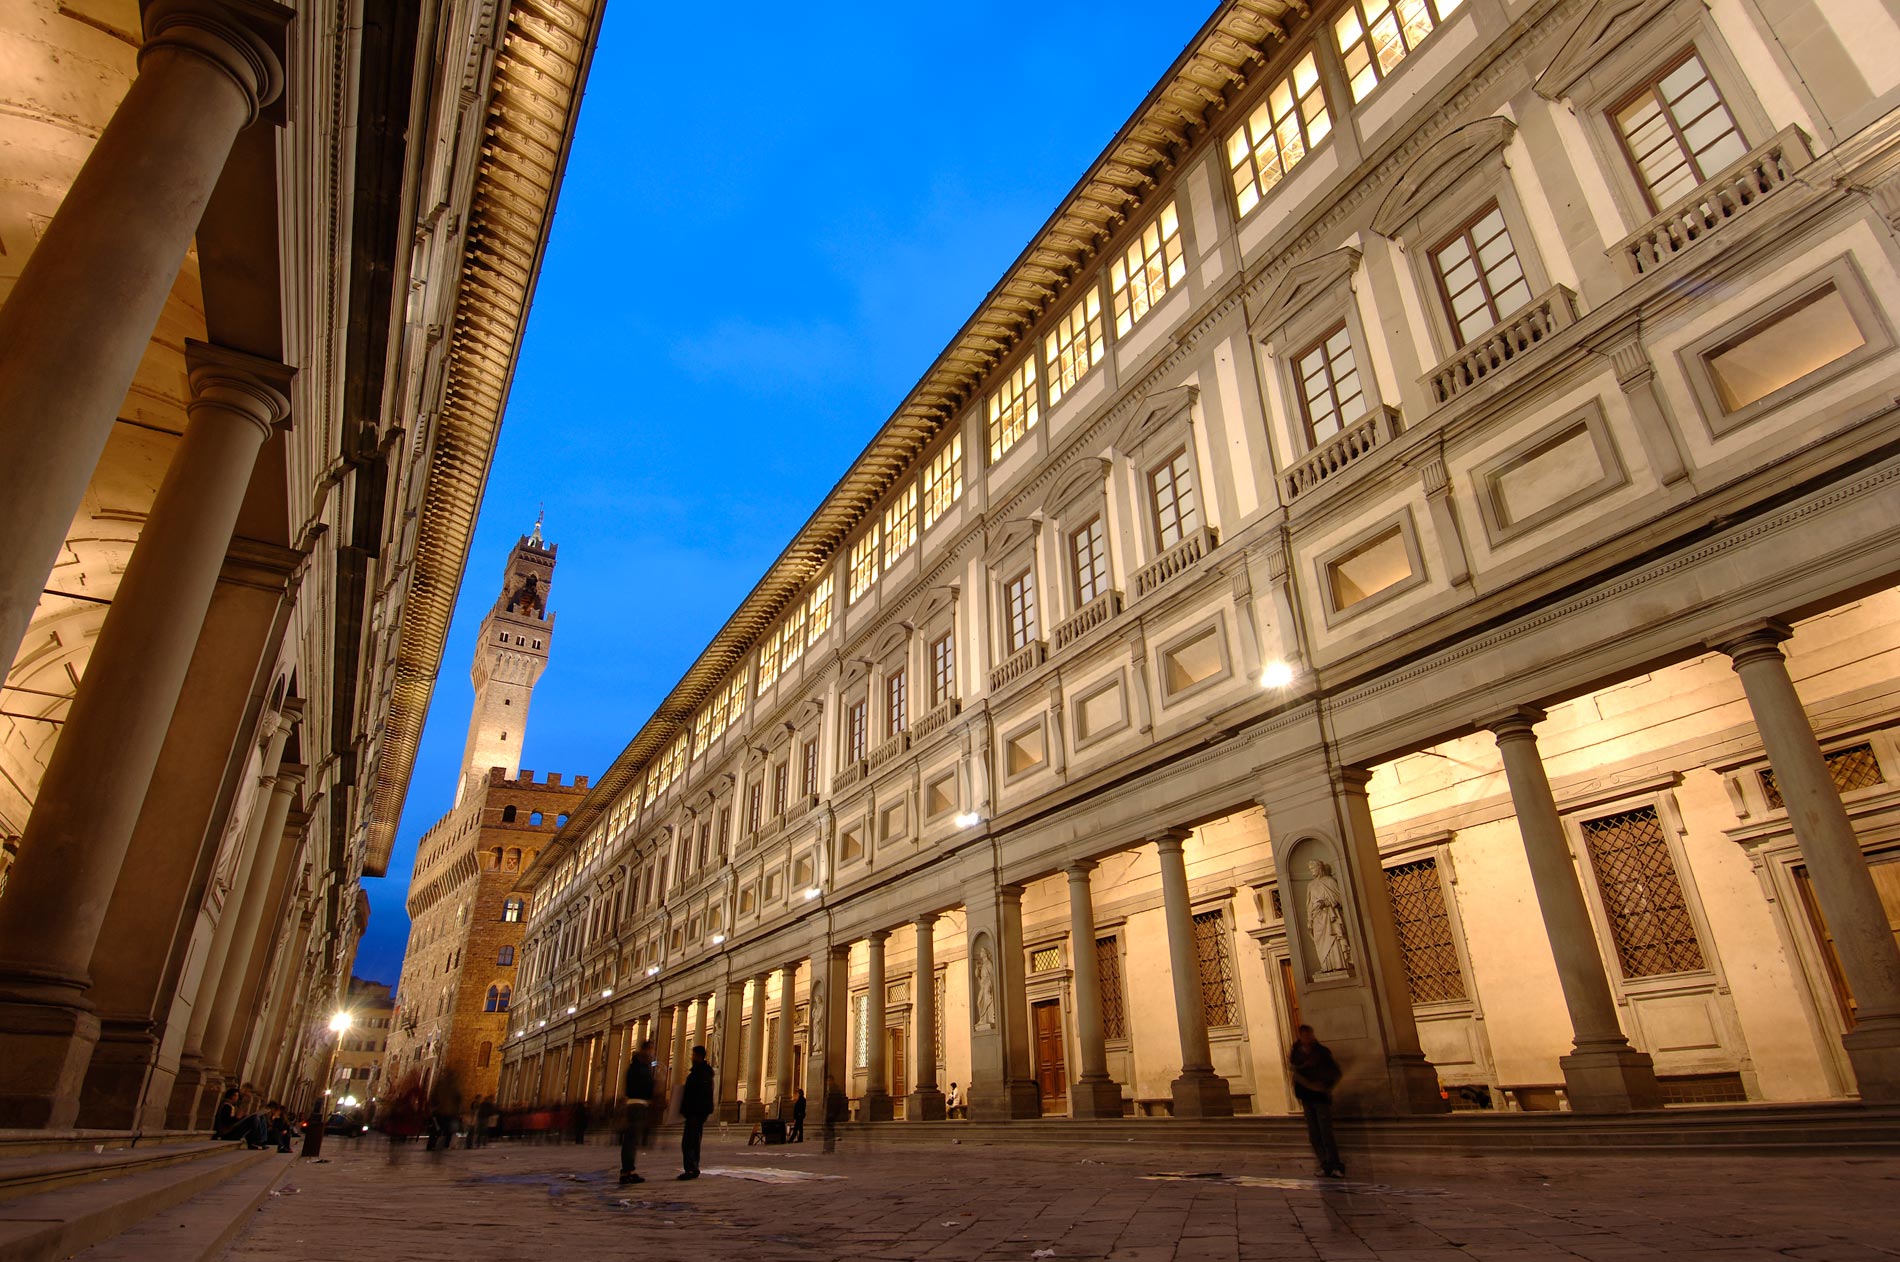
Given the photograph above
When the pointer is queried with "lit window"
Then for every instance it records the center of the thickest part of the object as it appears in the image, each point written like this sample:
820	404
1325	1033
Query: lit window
864	563
1076	346
818	610
900	525
511	911
1152	265
1479	274
1281	130
1019	598
856	732
792	638
1678	131
671	764
1177	512
1376	35
943	669
727	704
769	659
897	701
1013	409
1330	391
1375	565
781	788
1088	553
943	480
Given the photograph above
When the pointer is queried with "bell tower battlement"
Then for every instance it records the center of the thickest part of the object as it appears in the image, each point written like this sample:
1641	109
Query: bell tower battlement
511	651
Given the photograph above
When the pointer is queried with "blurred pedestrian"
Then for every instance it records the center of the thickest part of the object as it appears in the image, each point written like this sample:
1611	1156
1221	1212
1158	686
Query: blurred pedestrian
638	1089
837	1109
696	1105
1315	1074
445	1109
796	1135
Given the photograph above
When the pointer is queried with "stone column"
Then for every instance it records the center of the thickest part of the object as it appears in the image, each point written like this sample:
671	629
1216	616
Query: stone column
1603	1074
878	1106
1837	868
731	1049
782	1053
926	1100
1094	1093
79	318
1199	1091
681	1059
827	1031
700	1007
663	1039
89	799
755	1053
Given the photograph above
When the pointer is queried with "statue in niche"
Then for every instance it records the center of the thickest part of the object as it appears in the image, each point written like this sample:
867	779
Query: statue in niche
983	985
816	1039
1326	921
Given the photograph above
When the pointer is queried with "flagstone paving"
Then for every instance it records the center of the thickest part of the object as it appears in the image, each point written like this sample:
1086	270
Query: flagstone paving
1025	1204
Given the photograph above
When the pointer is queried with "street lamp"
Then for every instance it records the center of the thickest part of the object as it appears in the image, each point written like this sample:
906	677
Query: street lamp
319	1112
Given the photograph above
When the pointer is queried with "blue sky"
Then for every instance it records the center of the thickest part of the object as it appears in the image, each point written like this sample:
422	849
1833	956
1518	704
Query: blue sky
772	223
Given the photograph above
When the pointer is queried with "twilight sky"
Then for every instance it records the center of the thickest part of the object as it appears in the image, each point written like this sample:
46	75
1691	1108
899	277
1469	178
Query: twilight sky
771	225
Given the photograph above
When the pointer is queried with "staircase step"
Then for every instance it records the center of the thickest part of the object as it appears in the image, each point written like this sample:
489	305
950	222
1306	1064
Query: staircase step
199	1229
61	1221
30	1173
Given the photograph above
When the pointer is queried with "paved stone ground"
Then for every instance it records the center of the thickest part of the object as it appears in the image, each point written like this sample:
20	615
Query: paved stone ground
979	1201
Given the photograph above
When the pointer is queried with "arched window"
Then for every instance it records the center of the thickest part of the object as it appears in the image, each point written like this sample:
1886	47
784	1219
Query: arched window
534	817
494	858
507	814
511	911
507	992
507	956
560	821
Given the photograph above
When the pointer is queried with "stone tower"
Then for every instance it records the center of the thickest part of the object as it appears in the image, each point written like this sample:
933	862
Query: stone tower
510	654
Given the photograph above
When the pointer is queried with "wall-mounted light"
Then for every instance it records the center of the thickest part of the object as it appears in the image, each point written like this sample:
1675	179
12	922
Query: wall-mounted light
653	970
571	1010
1276	674
968	819
543	1025
719	939
607	993
812	893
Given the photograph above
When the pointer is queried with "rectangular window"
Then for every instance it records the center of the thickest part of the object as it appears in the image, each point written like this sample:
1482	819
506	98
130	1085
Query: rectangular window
1019	598
1376	35
864	557
1432	971
1218	1006
725	825
943	480
1172	498
1642	894
897	701
1088	556
1108	975
900	525
705	846
781	788
1852	768
1479	274
943	669
1076	346
818	610
768	658
861	1021
1013	409
1677	131
857	731
755	806
1151	266
1281	130
1381	562
1331	394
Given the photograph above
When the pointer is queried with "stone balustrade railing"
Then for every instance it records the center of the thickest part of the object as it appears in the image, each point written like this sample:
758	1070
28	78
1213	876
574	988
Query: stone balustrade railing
1719	202
1347	447
1503	345
1086	619
1018	664
935	721
1174	561
887	750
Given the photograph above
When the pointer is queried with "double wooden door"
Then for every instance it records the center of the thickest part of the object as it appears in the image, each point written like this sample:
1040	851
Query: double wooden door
1052	1078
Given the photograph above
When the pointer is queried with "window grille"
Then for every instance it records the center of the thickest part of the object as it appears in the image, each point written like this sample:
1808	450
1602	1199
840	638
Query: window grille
1151	265
1331	393
1045	959
1854	767
942	990
1479	274
861	1005
1088	551
1280	132
1642	894
1432	972
1677	131
1108	972
771	1047
1217	969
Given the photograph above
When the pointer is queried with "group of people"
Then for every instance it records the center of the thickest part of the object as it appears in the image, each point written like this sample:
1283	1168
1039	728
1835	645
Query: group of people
646	1105
242	1116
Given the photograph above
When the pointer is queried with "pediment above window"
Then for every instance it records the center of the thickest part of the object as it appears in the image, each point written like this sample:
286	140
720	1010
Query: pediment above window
1302	284
892	641
938	600
1156	412
1086	480
1011	535
1442	165
1602	30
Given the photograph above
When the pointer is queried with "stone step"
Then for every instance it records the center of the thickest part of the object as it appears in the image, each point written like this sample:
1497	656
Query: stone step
29	1173
199	1229
15	1142
62	1220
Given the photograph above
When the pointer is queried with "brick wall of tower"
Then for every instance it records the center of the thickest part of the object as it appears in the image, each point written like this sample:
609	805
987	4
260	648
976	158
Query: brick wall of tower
503	848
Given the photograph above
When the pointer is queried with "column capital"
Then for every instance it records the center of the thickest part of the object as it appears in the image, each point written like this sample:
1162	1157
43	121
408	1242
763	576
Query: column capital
1516	723
1171	840
878	937
1350	779
927	921
254	388
1751	642
1078	871
290	777
246	39
1011	893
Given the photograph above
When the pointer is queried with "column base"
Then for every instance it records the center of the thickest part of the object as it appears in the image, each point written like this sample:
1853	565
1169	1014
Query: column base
1005	1102
1097	1097
1415	1088
1202	1093
1620	1080
192	1085
45	1047
729	1111
1873	1048
126	1088
877	1106
924	1105
753	1111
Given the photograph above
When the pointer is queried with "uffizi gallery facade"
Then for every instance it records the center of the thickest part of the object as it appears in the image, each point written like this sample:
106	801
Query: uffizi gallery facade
265	269
1409	547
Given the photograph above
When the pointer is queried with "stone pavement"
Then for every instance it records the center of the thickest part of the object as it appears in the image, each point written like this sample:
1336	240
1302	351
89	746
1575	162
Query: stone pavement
991	1201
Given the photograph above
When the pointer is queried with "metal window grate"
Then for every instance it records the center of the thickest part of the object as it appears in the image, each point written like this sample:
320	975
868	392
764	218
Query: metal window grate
942	992
1217	969
1432	972
1108	974
1704	1089
1045	959
861	1004
1854	767
1642	894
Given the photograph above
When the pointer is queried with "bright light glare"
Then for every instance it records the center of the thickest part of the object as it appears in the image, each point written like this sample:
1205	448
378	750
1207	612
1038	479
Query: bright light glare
571	1010
607	993
1277	674
340	1022
719	939
812	893
653	970
349	1101
968	819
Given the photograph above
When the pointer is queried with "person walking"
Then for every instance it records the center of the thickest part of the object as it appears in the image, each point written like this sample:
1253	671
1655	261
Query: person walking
796	1135
445	1110
837	1109
638	1088
696	1105
1315	1074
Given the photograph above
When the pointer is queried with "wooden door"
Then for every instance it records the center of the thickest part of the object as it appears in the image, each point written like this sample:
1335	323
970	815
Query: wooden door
1886	874
1051	1075
896	1058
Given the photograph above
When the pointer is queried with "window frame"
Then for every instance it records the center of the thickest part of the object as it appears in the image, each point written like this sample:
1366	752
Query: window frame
943	668
1180	464
1100	574
1463	231
1170	282
1343	420
1243	131
1649	86
1018	622
1324	559
1441	17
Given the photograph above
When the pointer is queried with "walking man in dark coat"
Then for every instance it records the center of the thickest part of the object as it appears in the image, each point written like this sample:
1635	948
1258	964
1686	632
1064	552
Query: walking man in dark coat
638	1088
696	1105
1315	1074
